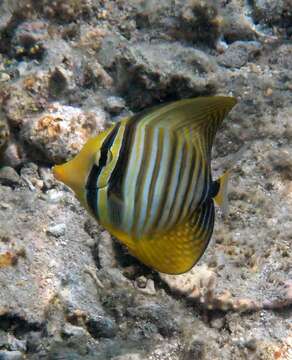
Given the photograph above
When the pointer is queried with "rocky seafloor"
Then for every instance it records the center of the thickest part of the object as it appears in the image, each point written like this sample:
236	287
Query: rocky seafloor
70	68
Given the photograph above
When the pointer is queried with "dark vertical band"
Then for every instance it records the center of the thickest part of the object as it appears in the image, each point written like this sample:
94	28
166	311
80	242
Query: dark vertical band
92	190
91	184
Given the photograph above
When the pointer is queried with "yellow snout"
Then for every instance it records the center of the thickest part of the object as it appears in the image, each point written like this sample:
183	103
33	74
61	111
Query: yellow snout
73	174
70	174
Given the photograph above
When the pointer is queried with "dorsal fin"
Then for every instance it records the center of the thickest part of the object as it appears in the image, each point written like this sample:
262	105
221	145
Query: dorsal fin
190	115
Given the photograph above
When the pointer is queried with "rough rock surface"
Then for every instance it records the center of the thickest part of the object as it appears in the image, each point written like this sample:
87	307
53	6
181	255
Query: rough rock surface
70	291
60	132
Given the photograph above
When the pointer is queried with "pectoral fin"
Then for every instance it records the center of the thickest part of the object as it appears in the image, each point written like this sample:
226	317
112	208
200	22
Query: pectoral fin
177	250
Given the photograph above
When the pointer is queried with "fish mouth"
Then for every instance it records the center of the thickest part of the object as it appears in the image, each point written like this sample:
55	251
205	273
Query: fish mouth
63	174
67	174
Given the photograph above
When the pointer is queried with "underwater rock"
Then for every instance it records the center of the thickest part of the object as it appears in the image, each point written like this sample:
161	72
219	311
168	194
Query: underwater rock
235	23
4	77
93	75
109	48
150	73
30	32
91	38
80	295
192	22
11	343
239	53
281	161
9	177
114	104
282	57
60	133
6	15
106	254
28	39
4	133
21	103
13	155
199	22
145	285
58	52
77	332
191	281
68	11
159	315
101	326
61	80
11	355
273	12
196	349
41	279
56	230
133	356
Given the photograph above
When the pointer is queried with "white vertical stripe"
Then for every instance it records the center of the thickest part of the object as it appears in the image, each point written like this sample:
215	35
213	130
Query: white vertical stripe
178	206
173	185
132	172
160	182
148	176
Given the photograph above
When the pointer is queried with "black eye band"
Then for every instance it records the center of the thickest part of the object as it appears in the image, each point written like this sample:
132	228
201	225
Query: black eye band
96	169
91	184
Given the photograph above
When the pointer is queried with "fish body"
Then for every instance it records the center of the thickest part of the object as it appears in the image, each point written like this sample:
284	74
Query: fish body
148	181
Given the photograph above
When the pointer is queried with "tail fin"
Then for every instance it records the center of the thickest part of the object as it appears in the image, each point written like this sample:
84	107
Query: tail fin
221	198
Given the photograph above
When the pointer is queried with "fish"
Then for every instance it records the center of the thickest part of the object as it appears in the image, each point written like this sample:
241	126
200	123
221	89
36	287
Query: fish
147	180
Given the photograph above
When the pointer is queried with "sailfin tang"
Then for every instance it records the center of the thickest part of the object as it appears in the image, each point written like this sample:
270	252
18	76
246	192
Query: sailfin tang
177	250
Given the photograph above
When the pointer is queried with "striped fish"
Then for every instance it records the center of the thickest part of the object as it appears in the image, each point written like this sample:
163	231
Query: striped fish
148	181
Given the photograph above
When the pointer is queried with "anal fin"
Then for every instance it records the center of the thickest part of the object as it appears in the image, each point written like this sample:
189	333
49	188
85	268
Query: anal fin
177	250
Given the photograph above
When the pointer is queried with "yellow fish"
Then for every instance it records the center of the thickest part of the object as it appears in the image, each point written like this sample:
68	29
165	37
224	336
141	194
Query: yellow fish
147	180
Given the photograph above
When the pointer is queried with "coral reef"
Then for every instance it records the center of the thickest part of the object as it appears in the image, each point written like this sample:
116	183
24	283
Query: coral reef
68	69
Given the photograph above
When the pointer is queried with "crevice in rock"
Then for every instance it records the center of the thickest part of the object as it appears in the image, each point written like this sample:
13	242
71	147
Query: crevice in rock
6	34
18	325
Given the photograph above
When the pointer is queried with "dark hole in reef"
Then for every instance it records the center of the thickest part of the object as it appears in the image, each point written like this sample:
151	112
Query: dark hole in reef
17	325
